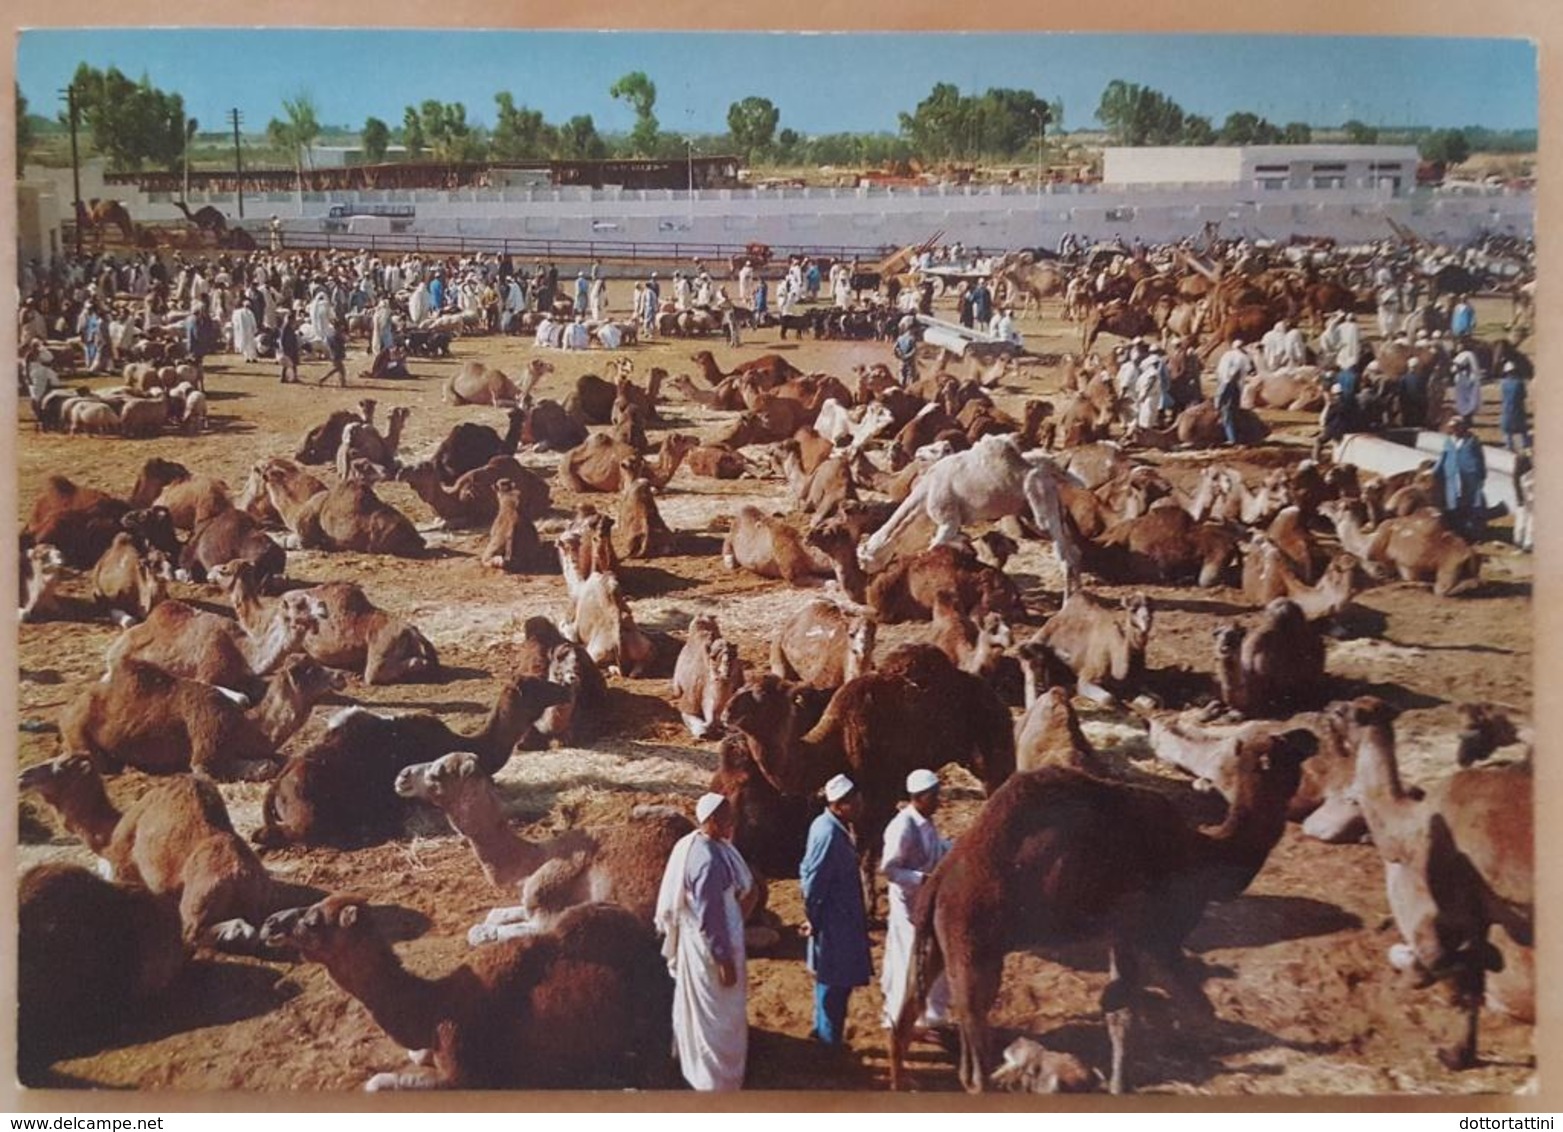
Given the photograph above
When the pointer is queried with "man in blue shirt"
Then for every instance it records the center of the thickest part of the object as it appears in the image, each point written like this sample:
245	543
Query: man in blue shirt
837	925
1462	469
1513	416
1462	320
906	350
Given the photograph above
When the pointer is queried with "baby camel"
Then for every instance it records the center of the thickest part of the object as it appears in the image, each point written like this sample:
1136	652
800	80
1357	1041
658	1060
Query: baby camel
621	863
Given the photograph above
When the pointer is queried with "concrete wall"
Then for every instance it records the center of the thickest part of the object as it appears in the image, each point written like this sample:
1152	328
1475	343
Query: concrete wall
39	214
1269	167
1154	164
979	216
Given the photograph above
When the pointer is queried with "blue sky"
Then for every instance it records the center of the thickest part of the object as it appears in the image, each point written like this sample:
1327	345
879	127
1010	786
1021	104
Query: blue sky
821	83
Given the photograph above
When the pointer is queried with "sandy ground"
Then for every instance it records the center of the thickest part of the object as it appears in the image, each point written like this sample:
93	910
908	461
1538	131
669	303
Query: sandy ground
1306	1003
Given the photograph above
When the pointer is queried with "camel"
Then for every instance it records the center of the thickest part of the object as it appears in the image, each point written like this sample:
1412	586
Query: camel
1163	545
920	711
78	521
99	213
362	439
1048	734
705	677
351	517
473	500
145	718
189	642
1047	862
824	645
621	864
1104	647
469	445
906	590
820	492
1273	670
991	480
768	546
513	544
126	583
175	839
341	789
42	567
206	218
586	1005
1459	862
598	463
89	954
640	525
1269	574
548	426
230	535
547	655
353	633
478	384
190	499
1419	547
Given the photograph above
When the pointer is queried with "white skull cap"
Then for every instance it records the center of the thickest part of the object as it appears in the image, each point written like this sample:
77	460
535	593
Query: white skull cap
920	781
708	805
838	788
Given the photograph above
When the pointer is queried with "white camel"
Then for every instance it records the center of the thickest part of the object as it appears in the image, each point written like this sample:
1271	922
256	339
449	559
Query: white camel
991	479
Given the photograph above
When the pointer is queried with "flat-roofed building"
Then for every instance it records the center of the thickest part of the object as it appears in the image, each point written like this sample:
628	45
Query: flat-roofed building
1390	168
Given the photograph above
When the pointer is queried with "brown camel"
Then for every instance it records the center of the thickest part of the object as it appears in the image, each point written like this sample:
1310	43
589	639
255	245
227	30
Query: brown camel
1058	856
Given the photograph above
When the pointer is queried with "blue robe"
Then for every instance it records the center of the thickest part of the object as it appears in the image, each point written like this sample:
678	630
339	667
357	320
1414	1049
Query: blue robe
833	901
1462	469
1513	418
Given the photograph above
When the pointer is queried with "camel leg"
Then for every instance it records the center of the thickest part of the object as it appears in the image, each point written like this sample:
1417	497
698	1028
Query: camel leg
1117	1005
1468	990
974	986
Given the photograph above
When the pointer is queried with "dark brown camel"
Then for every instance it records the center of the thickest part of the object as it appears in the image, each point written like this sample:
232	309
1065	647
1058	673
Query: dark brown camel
206	218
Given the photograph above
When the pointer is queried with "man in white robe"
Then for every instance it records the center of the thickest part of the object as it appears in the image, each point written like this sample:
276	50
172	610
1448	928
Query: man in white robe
1273	346
913	848
244	341
320	314
700	913
418	304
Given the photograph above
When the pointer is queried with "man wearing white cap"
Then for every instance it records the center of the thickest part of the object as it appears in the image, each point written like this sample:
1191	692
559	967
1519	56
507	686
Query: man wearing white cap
913	848
706	891
837	924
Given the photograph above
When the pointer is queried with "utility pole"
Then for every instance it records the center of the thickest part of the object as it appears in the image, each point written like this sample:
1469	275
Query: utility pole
70	103
690	145
1037	114
238	159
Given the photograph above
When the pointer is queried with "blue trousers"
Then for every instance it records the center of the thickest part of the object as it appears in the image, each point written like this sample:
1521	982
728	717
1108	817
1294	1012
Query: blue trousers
830	1013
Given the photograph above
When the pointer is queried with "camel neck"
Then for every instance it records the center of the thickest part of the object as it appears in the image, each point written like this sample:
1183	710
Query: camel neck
506	857
247	608
91	816
408	1008
280	713
1377	778
1236	850
266	651
498	735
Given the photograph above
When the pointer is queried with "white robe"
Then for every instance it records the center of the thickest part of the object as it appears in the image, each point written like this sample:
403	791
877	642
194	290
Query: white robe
320	315
710	1021
418	305
244	334
912	848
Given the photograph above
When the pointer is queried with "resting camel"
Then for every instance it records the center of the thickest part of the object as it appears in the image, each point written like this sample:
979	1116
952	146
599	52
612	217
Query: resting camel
478	384
470	445
824	645
89	954
1419	547
989	481
342	789
1273	670
230	535
1163	545
598	464
353	633
706	675
473	500
190	499
1102	645
1269	574
78	521
1459	862
351	517
1048	862
175	839
1048	734
621	864
586	1005
545	654
145	718
189	642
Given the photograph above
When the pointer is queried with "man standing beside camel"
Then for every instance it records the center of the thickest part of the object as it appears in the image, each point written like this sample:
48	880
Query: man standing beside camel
837	923
913	849
706	891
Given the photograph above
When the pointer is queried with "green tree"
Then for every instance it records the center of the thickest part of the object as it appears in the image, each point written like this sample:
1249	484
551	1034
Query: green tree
787	143
297	132
937	127
1447	147
1245	128
752	124
1297	133
1197	130
641	94
412	133
376	136
24	128
578	140
132	124
1137	115
520	133
450	137
1359	133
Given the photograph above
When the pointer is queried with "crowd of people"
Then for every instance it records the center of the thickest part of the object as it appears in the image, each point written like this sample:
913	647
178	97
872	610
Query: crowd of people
707	889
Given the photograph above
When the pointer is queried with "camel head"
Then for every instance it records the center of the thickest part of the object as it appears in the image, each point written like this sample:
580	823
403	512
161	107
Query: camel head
366	408
1347	717
763	708
307	680
1488	727
233	576
529	696
302	612
155	526
1269	769
320	932
564	666
63	780
862	632
47	563
1229	641
443	782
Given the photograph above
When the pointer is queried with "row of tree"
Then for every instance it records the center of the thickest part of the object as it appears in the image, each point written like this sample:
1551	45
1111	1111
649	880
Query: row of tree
137	125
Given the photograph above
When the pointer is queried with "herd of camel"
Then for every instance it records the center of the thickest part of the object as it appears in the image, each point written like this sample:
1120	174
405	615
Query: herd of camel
99	216
884	481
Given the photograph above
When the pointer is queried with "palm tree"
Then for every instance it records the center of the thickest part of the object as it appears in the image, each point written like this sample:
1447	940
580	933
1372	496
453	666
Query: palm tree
298	133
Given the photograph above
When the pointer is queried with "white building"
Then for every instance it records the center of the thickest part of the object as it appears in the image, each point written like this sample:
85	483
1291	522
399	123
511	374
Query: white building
1264	167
